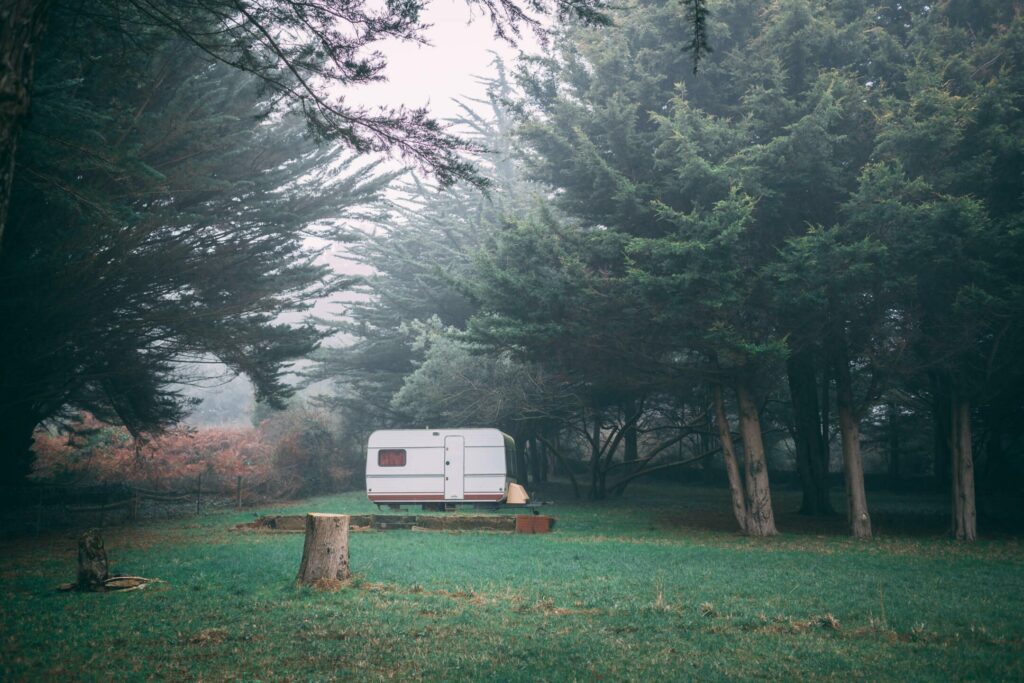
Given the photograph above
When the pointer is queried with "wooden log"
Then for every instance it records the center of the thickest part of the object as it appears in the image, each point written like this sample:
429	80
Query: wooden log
325	552
92	561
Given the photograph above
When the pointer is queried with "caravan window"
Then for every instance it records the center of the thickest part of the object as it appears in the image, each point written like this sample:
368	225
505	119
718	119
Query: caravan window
391	457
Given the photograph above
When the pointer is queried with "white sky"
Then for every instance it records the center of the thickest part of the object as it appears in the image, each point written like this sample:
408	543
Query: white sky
434	74
461	43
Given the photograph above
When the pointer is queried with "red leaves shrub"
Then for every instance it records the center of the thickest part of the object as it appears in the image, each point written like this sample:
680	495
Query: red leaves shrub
292	453
308	458
109	454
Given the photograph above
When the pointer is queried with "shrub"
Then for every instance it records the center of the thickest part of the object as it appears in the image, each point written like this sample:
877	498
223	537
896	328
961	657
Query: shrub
296	452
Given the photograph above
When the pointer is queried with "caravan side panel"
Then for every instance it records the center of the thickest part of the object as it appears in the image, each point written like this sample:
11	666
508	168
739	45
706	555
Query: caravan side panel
419	479
486	479
408	466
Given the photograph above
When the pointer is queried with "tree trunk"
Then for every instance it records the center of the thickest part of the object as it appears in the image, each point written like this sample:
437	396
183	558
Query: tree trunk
965	514
942	425
545	459
894	446
92	561
535	463
708	441
17	425
566	468
739	503
849	432
629	441
21	26
811	450
760	518
826	419
629	436
595	456
998	472
325	553
522	464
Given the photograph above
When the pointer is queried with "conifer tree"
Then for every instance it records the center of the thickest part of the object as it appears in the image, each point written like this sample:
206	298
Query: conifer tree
305	53
416	260
160	216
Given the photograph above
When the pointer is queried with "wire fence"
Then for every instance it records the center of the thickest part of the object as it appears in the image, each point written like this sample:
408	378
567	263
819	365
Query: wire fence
33	509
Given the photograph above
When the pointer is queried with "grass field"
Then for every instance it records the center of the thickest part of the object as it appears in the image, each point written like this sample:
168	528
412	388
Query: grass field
652	587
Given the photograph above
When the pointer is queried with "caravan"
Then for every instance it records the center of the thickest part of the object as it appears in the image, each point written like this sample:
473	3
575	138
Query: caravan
439	466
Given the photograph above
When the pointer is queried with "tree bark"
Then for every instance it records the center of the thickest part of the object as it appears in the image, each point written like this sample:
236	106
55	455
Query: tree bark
732	470
325	553
811	449
965	514
849	432
92	561
21	26
760	517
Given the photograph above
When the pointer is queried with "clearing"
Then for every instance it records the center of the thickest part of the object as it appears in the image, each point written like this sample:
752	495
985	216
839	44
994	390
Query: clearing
650	587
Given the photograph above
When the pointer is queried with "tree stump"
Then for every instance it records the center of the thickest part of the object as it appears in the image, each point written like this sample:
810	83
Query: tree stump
325	553
92	561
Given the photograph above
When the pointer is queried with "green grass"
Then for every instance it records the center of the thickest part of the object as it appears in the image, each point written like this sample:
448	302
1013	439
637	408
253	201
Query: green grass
639	589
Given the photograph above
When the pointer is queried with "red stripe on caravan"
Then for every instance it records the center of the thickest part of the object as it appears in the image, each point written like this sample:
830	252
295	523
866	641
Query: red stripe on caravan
406	496
412	497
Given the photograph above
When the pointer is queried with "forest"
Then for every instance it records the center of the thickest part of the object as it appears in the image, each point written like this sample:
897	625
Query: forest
765	250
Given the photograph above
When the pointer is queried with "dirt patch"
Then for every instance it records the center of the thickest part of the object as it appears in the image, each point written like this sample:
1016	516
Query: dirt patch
547	606
209	636
516	603
328	585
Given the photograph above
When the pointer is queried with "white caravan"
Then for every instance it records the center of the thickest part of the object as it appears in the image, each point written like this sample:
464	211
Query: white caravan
438	466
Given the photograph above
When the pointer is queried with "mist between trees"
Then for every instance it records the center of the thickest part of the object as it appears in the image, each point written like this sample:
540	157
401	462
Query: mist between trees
801	261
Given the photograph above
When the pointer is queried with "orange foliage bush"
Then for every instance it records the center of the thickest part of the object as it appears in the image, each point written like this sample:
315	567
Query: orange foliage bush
93	452
295	452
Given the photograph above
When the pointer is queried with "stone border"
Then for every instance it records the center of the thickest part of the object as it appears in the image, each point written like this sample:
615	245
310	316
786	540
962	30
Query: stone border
296	524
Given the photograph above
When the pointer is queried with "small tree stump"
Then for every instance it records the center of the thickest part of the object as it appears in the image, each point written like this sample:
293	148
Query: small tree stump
92	562
325	553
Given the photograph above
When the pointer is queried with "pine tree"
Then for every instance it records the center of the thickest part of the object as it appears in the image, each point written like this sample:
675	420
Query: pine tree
160	216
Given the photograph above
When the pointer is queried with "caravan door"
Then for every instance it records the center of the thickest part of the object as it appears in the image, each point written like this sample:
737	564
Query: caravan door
454	467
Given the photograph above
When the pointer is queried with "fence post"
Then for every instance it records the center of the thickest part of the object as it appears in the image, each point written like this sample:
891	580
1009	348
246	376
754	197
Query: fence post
39	513
239	505
199	490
